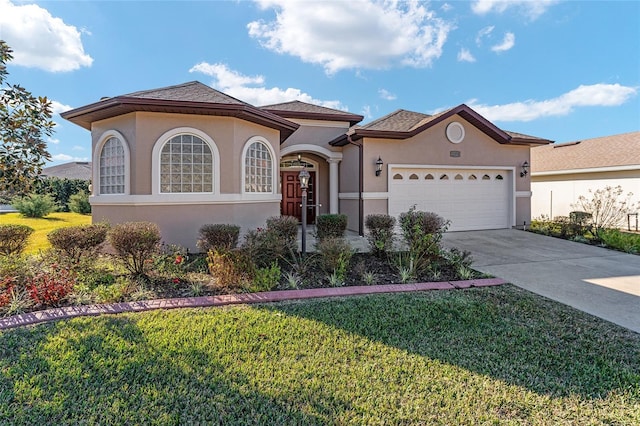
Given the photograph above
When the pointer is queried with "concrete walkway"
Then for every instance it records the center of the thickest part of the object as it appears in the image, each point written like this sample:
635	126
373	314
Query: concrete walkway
601	282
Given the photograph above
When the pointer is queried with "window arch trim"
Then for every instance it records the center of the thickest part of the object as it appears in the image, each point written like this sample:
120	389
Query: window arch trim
97	153
155	162
243	166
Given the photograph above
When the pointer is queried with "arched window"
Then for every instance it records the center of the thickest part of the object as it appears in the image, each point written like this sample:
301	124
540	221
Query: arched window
486	177
397	176
499	177
413	176
444	177
258	168
458	177
112	167
429	176
472	177
186	165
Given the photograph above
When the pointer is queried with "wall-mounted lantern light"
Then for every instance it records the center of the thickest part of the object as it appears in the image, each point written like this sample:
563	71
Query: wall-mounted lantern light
525	169
379	164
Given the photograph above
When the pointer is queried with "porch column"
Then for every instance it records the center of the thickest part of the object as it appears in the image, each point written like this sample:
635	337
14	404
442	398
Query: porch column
333	185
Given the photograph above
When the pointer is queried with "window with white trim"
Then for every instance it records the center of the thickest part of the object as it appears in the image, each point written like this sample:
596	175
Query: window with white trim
186	165
112	167
258	169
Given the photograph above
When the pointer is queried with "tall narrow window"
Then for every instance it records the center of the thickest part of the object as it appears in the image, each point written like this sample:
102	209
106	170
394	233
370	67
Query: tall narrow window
186	165
112	170
258	169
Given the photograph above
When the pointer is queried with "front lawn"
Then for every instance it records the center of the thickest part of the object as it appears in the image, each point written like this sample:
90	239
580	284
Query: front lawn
477	356
42	226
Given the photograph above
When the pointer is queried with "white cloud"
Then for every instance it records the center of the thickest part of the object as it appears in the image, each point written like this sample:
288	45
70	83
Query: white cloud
532	9
595	95
366	112
483	33
252	90
78	148
59	107
465	56
40	40
386	95
338	35
53	141
507	43
446	7
66	158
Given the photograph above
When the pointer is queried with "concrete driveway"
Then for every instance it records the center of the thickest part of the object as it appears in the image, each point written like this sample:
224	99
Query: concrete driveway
601	282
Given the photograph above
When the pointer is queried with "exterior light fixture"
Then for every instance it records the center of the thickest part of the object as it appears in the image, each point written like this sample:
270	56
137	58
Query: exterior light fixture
379	164
525	169
304	185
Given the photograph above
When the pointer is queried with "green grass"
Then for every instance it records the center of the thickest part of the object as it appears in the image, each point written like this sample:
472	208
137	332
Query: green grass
480	356
42	226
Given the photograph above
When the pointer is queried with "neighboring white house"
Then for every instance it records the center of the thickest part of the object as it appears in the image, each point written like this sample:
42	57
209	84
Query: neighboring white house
560	173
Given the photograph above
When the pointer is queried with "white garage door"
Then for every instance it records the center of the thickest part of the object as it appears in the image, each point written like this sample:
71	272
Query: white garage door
470	199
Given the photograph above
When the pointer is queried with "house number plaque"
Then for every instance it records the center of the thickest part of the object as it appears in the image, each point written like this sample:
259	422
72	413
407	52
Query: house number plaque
454	154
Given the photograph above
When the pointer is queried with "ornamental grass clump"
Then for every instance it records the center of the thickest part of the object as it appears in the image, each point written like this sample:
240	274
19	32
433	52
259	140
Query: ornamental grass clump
14	238
218	237
77	242
135	243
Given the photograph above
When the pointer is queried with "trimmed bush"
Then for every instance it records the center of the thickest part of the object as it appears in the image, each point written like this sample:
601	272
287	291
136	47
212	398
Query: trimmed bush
331	226
285	227
79	203
230	268
135	243
14	238
78	241
334	256
35	205
218	237
422	231
380	235
265	246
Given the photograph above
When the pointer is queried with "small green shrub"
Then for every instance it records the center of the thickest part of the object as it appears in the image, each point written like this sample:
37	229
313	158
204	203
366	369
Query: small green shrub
230	269
380	235
14	238
334	255
615	239
218	237
265	246
135	243
422	232
79	203
61	189
76	242
331	226
112	293
35	205
266	279
285	227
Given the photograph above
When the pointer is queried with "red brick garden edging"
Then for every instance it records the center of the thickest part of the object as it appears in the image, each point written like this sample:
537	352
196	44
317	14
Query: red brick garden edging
232	299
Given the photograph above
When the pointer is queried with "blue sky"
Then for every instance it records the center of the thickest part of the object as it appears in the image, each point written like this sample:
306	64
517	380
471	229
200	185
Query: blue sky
562	70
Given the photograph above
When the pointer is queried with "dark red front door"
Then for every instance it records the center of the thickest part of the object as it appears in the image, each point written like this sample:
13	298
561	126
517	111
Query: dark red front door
292	196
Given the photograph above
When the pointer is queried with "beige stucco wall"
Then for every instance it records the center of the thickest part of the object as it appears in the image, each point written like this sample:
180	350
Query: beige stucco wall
179	224
554	195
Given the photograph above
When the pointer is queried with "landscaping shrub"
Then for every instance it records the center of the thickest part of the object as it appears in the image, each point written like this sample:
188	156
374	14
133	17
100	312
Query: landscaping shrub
380	235
35	205
230	268
50	288
331	226
14	238
135	243
608	207
264	246
286	227
334	256
79	203
171	261
266	279
615	239
61	190
76	242
422	232
218	237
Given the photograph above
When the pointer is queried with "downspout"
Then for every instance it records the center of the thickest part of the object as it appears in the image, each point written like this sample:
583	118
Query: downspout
360	186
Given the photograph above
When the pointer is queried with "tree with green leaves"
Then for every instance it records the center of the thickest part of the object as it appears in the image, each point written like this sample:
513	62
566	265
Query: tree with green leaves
25	120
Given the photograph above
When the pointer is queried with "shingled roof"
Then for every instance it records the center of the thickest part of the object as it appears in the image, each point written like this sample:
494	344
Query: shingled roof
72	170
403	124
605	152
299	109
188	98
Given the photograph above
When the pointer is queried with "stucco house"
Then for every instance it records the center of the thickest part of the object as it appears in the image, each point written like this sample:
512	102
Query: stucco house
560	173
187	155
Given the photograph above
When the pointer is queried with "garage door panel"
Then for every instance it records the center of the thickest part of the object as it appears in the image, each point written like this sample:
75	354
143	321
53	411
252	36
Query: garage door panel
470	199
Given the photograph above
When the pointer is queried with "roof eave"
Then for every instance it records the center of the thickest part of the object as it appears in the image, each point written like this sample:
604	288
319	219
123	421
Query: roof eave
350	118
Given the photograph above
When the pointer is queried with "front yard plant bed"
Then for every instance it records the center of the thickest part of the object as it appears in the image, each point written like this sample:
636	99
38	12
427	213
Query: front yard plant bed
494	355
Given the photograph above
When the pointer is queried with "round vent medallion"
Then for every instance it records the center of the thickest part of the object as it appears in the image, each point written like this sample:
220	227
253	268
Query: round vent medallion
455	132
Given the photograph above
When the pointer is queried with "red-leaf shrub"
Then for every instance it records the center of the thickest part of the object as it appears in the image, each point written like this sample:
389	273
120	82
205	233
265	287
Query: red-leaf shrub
50	288
6	285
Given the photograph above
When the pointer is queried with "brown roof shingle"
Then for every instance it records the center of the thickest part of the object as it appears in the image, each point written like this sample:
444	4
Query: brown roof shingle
607	151
73	170
299	109
193	91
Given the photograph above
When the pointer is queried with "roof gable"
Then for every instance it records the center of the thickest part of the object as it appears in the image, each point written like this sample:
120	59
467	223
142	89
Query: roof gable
403	124
188	98
299	109
603	152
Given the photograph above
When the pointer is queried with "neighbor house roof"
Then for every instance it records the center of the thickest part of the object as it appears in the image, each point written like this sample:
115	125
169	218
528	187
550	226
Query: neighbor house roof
298	109
403	124
73	170
617	151
188	98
